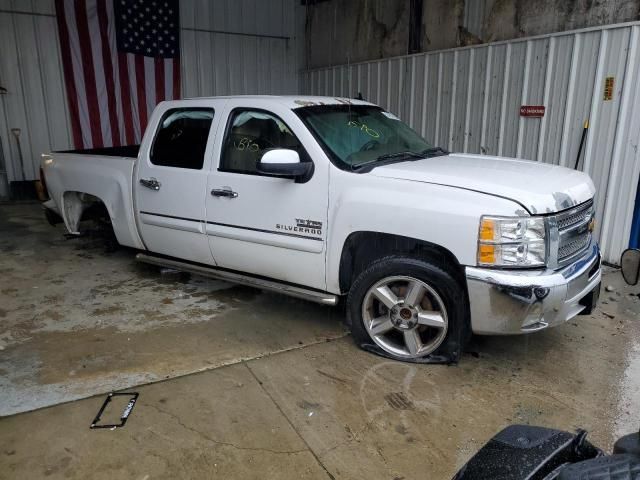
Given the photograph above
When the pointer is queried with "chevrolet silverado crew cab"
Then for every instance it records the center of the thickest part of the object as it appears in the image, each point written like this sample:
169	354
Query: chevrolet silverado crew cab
323	198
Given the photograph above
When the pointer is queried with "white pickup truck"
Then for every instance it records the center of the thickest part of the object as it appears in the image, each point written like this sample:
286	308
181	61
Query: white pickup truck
321	198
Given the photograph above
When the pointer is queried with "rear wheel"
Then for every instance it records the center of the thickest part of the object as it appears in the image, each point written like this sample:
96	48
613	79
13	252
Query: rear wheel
408	309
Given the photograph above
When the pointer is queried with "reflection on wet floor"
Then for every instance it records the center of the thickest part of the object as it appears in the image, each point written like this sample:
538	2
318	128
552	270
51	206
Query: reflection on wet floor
123	323
295	399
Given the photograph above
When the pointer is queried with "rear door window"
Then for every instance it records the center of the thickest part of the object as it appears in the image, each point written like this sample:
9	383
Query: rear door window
181	138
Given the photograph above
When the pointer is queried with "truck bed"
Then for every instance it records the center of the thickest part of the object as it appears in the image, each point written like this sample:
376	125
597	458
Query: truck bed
128	151
104	173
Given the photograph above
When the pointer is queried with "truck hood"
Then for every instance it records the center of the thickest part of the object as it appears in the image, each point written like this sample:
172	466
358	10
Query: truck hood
538	187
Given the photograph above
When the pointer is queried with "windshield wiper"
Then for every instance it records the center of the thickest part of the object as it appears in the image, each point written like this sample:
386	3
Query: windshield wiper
406	154
434	152
401	156
384	159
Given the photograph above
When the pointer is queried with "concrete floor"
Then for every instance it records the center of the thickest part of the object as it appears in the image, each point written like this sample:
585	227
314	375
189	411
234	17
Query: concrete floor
79	319
236	383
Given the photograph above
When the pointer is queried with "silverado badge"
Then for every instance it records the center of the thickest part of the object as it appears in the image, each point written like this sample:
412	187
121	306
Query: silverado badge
302	226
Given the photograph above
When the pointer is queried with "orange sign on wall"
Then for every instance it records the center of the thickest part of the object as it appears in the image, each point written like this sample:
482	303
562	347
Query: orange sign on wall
608	88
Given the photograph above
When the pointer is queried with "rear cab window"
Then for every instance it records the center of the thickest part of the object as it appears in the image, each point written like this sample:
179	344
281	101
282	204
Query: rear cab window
181	138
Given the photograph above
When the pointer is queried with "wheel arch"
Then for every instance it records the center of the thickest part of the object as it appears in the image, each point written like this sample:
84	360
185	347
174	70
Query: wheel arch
363	247
76	204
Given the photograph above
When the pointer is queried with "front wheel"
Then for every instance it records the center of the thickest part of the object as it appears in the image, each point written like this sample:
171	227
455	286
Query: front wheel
408	309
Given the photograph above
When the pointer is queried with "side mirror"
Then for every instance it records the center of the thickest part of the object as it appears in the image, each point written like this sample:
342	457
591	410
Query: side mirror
630	263
284	163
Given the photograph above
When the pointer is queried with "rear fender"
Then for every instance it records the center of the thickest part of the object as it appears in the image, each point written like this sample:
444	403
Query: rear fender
74	205
77	182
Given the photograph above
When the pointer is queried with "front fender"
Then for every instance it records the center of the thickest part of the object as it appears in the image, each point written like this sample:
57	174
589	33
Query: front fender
445	216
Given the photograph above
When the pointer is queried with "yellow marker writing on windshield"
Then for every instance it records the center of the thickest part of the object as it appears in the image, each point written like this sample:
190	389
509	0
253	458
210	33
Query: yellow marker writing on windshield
369	131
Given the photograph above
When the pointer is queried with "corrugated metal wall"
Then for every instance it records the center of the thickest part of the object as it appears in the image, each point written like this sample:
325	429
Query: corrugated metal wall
31	71
468	100
227	47
261	57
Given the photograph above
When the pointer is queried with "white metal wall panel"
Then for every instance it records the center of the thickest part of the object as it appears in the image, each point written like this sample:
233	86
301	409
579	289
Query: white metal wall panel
510	124
253	17
232	47
555	97
475	102
31	72
468	100
625	161
498	69
433	89
227	47
220	65
463	63
445	98
581	90
536	61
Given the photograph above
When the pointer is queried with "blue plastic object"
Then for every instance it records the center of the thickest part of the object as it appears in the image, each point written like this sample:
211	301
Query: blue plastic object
634	241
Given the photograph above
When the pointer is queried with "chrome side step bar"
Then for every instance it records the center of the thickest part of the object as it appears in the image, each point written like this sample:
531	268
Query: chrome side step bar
323	298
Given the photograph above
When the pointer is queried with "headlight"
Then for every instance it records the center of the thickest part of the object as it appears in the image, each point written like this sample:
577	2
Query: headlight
512	242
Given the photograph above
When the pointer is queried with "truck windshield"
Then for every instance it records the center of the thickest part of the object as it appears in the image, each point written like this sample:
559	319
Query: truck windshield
363	136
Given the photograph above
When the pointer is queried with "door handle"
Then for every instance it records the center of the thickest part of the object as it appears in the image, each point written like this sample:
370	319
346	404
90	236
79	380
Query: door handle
224	192
151	183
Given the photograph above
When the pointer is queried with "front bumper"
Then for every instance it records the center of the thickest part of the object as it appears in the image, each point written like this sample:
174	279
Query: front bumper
512	302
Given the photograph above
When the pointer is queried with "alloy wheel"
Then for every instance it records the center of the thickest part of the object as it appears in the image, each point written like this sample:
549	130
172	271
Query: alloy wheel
405	316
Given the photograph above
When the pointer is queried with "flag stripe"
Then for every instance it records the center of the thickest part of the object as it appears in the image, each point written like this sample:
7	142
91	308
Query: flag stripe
176	77
141	94
107	59
159	74
150	84
72	93
125	89
78	75
133	92
87	69
113	49
168	79
99	72
120	59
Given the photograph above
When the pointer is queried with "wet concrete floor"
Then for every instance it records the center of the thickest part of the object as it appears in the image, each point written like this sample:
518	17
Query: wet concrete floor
236	383
80	318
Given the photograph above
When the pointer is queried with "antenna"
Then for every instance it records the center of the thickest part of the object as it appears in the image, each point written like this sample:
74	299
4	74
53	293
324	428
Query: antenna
349	96
349	73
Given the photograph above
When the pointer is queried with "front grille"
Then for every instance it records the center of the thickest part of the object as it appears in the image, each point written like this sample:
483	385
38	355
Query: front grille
574	231
573	247
572	219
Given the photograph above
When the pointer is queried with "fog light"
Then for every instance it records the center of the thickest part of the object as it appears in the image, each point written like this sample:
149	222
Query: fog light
541	292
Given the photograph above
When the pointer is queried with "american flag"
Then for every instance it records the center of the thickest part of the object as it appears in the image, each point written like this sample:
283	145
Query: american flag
120	58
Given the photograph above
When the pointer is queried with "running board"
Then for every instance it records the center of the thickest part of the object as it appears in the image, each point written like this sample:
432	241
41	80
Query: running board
323	298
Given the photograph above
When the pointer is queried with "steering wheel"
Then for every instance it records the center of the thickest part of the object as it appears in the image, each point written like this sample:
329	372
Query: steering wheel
370	145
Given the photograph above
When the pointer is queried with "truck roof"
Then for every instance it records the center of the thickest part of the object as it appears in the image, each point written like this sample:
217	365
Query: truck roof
296	101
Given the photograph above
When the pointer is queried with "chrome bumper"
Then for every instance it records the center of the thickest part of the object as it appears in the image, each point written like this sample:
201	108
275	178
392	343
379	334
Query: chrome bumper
511	302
